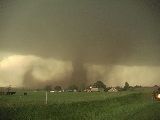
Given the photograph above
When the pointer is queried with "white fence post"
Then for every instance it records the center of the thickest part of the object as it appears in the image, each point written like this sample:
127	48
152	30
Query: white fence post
46	97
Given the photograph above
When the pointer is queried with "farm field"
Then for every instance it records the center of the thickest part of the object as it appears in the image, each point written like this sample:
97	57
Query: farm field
129	105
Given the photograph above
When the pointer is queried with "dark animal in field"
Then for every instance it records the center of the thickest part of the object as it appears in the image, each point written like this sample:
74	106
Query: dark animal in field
25	93
10	93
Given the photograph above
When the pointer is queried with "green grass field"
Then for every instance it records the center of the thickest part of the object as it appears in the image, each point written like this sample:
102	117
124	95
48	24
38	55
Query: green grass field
130	105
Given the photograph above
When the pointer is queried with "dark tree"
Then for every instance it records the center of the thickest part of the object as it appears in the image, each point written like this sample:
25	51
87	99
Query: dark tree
57	88
126	86
99	84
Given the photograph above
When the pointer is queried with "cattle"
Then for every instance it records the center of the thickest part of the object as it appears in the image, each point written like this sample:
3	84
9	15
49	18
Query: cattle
10	93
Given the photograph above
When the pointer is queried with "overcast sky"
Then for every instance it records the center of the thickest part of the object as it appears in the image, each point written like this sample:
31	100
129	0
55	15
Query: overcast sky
110	34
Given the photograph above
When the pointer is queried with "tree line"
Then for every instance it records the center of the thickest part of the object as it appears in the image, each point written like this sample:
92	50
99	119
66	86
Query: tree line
97	84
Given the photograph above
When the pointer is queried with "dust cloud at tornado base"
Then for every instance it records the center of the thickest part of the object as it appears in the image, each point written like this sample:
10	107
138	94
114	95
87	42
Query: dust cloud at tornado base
36	72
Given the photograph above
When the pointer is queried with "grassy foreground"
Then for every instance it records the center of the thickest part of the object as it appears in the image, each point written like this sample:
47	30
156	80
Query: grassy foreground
133	105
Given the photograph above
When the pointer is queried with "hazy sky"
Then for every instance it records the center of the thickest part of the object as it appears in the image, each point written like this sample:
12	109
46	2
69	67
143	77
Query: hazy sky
111	40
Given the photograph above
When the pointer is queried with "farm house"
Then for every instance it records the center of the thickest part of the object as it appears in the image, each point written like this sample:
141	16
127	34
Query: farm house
95	89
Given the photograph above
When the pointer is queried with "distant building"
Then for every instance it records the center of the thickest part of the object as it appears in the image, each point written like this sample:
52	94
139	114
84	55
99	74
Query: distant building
52	91
94	89
113	90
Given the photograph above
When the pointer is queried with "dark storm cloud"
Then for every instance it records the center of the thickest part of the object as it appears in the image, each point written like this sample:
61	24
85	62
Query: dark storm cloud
111	32
154	5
